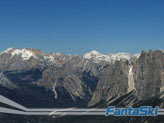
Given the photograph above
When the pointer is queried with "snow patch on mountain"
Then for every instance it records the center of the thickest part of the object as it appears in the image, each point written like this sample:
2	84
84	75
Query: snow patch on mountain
98	57
25	54
54	90
131	79
7	51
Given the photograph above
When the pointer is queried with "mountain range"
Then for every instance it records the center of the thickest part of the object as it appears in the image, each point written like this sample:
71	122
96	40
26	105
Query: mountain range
35	79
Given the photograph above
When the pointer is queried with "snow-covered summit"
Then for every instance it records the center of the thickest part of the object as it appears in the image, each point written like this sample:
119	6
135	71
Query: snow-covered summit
9	50
25	53
28	53
98	57
39	55
94	54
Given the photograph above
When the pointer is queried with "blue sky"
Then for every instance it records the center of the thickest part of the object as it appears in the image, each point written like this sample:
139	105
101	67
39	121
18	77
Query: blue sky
79	26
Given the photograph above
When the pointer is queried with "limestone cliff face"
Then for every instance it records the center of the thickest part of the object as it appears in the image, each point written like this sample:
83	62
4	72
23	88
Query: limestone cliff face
149	74
113	82
56	79
144	75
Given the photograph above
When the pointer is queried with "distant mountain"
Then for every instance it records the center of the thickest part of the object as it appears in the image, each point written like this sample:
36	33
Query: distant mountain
144	75
36	79
28	58
19	59
110	58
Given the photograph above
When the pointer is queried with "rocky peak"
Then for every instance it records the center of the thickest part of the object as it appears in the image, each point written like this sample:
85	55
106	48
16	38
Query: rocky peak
149	74
113	82
36	51
9	50
110	58
144	52
24	53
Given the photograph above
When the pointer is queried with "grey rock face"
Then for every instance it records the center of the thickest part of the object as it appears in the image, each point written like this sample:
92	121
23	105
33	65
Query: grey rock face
76	64
66	75
149	74
57	79
113	82
144	75
74	74
5	82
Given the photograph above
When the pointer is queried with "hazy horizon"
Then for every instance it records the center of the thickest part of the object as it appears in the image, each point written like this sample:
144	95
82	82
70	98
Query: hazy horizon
84	53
